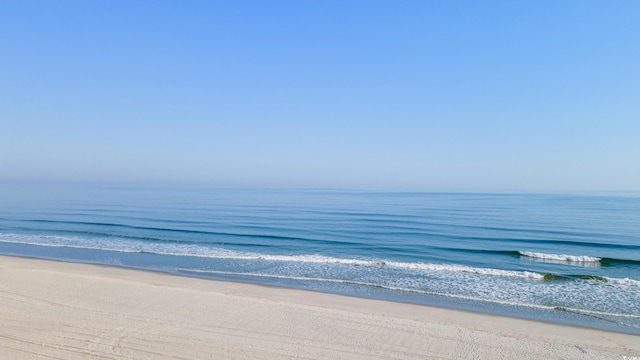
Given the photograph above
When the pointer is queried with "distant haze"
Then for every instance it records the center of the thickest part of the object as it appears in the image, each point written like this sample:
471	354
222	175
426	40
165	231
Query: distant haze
409	95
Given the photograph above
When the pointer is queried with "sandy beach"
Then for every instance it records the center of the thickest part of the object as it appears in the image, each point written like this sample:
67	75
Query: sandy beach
55	310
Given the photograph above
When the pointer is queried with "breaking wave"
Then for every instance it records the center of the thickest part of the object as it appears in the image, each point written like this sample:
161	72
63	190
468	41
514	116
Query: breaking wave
559	257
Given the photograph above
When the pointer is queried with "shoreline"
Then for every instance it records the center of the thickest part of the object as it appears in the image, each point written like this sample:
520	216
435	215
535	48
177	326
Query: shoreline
71	310
546	316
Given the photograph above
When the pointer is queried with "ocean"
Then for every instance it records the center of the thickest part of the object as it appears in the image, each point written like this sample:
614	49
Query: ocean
571	258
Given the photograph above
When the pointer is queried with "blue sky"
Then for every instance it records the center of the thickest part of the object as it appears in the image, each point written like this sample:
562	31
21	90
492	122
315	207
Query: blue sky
415	95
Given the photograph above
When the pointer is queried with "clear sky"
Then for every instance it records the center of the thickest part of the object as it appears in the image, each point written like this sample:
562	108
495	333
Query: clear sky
415	95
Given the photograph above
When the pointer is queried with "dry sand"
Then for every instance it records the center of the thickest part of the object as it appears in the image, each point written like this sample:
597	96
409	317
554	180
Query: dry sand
74	311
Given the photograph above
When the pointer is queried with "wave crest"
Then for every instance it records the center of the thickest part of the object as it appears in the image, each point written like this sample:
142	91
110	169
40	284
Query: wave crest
560	257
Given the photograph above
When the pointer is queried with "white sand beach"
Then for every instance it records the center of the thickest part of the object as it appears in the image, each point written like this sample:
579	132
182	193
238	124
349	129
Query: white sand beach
56	310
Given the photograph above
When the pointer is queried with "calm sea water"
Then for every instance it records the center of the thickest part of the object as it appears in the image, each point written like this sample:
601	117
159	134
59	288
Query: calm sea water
569	258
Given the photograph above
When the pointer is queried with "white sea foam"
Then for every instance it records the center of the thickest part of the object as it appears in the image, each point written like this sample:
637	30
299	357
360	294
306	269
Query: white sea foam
193	250
466	269
624	281
397	288
559	257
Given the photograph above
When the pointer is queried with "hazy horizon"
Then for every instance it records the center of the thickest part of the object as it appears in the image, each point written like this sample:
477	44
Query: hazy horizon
411	96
